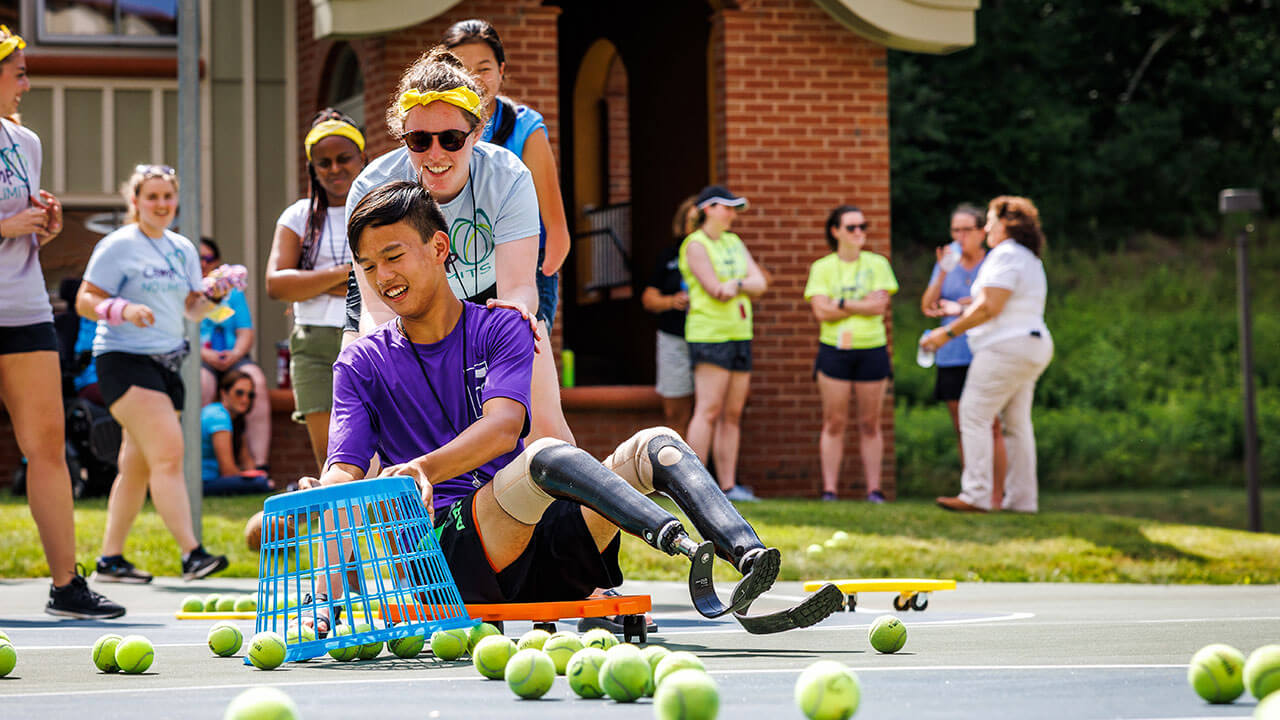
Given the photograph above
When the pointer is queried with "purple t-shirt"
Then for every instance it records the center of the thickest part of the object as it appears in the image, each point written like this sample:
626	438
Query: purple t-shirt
382	403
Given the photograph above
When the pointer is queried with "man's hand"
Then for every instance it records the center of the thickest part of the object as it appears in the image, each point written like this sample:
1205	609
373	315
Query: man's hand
413	469
308	482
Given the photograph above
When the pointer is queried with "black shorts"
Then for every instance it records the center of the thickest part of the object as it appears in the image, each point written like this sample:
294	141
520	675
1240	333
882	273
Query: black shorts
950	383
732	355
119	371
560	563
866	365
28	338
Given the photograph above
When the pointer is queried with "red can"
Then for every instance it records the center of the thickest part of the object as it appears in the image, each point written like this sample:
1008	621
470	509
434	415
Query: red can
282	365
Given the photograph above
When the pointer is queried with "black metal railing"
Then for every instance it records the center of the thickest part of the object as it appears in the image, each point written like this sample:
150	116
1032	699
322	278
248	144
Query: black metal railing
607	243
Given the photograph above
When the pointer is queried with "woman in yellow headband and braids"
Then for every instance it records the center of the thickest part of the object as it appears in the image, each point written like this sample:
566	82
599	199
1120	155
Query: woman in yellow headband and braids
489	203
309	265
30	388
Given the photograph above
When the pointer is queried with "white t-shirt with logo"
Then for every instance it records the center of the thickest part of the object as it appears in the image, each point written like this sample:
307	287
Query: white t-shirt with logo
325	310
24	300
1013	267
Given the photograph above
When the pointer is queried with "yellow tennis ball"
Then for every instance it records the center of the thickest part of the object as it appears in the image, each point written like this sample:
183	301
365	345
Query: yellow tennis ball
533	639
827	690
679	660
192	604
599	638
887	634
407	647
814	549
1262	671
4	636
687	695
211	602
135	654
247	603
226	603
625	674
491	655
561	648
530	673
839	536
344	654
583	672
449	644
1268	708
369	650
266	650
653	654
261	703
480	632
1217	673
225	639
104	653
8	657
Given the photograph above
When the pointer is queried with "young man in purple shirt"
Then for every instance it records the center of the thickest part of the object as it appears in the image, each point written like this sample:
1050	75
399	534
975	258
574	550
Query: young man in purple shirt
441	395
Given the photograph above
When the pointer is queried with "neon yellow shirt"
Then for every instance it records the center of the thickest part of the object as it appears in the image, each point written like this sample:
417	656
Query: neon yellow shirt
709	319
855	280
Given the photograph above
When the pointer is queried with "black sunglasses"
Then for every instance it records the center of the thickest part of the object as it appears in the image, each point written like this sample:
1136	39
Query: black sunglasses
419	141
857	226
209	258
241	393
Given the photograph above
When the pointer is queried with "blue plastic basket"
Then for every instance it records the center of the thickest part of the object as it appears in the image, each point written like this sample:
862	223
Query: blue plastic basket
373	531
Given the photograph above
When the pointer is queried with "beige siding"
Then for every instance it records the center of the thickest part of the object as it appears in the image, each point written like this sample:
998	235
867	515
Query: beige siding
84	140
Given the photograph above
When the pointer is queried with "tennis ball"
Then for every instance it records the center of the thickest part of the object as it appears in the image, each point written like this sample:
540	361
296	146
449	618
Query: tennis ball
344	654
814	549
261	703
839	536
246	603
827	690
299	633
830	543
1268	709
192	604
407	647
533	639
583	672
225	639
134	654
1217	673
211	602
266	650
226	603
887	634
561	648
491	655
449	644
1262	671
653	654
625	674
679	660
4	636
687	695
369	650
104	653
599	638
8	657
530	673
480	632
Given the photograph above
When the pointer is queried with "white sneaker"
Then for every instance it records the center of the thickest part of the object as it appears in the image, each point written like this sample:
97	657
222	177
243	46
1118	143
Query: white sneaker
740	493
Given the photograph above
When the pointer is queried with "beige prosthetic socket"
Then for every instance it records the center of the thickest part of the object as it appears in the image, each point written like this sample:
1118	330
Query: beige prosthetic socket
631	462
515	490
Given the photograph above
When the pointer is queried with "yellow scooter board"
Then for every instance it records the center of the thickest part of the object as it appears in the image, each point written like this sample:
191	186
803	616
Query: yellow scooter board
913	593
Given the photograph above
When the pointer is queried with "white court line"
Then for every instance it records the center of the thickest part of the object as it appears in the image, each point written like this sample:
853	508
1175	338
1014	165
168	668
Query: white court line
90	647
859	626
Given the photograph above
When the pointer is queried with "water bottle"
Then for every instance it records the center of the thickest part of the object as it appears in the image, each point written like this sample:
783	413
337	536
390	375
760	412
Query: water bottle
566	369
924	358
949	260
283	380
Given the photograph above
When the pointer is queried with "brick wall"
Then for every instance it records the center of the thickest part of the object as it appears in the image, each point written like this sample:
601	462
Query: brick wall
619	140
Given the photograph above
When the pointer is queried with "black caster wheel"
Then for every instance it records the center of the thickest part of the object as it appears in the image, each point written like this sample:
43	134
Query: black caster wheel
919	602
633	626
901	604
498	624
548	626
851	603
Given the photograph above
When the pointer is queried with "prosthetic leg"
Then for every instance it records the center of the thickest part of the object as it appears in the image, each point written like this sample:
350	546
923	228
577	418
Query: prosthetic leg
674	470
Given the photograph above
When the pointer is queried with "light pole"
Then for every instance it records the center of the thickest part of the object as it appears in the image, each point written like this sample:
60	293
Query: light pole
189	220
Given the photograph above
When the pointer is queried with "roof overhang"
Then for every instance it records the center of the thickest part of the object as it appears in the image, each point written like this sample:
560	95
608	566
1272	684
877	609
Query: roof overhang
926	26
353	18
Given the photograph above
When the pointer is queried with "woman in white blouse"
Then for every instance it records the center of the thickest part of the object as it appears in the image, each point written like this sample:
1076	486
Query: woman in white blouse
1011	348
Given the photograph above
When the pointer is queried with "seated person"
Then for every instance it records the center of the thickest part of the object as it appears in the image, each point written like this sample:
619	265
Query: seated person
441	394
224	346
225	465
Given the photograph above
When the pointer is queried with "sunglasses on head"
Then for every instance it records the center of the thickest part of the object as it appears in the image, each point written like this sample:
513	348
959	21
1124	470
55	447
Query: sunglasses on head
857	226
149	170
419	141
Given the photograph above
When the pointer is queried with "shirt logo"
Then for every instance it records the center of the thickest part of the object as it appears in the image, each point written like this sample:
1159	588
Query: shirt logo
470	249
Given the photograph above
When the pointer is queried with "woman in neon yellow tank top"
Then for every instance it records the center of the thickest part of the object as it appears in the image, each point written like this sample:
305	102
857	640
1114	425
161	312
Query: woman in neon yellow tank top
849	292
722	278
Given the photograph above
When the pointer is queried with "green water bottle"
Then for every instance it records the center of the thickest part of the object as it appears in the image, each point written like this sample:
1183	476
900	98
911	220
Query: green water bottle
566	368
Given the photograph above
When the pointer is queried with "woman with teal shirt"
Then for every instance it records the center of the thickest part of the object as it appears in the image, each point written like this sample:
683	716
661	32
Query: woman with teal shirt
225	464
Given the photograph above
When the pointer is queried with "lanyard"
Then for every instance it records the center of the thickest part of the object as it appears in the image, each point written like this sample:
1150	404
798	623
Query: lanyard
165	258
18	168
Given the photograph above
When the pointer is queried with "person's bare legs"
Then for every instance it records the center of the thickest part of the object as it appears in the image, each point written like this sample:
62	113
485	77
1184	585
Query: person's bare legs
548	416
953	407
31	391
128	493
257	422
710	383
869	397
318	434
835	413
676	411
728	432
208	386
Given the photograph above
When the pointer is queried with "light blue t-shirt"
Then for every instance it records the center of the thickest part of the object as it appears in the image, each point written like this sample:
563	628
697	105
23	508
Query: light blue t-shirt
497	205
958	284
213	418
528	122
158	273
222	336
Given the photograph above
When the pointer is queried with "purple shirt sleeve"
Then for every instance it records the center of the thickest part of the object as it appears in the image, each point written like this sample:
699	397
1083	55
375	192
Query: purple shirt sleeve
352	437
508	349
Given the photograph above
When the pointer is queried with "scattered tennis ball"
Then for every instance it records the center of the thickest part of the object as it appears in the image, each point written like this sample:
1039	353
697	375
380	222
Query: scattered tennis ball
1217	673
369	650
480	632
529	673
211	602
104	653
297	633
407	647
225	639
246	603
830	543
687	695
625	674
226	603
134	654
1268	708
192	604
583	672
679	660
533	639
8	657
449	644
653	654
827	690
561	649
1262	671
491	655
4	636
599	638
344	654
814	549
261	703
839	536
887	634
266	650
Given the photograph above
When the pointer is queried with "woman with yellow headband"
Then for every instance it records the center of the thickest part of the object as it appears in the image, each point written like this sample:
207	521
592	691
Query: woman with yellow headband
30	387
309	266
489	202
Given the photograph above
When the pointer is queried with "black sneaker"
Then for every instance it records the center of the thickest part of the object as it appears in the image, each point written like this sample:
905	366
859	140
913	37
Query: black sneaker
119	570
76	600
200	564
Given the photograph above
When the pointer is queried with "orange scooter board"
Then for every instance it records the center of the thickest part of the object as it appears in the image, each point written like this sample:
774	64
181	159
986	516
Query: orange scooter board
631	609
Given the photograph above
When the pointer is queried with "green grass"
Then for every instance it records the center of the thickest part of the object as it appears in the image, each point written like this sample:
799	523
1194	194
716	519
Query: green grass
1136	536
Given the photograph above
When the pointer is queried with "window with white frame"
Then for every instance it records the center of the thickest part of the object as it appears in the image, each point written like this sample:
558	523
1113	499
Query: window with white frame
107	22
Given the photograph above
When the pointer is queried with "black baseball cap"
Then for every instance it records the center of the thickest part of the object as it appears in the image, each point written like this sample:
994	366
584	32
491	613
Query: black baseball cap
719	195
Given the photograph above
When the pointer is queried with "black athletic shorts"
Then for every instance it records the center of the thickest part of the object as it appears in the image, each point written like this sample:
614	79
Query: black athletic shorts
866	365
119	371
950	383
560	563
28	338
732	355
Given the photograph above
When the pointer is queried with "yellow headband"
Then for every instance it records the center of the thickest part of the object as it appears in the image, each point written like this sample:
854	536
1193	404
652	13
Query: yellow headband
11	43
329	128
461	97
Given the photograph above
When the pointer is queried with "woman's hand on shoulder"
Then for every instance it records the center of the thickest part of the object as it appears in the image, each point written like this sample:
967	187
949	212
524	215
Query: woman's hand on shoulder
524	313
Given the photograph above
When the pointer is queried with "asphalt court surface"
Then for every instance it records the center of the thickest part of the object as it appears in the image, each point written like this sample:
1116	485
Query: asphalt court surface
984	650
